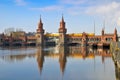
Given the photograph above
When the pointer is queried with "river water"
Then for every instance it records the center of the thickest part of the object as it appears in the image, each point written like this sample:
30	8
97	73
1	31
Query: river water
55	63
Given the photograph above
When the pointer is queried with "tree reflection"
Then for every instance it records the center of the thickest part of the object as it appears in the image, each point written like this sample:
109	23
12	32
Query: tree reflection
117	73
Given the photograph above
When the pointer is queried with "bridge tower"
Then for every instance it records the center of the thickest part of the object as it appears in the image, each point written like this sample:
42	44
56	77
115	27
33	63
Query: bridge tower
115	35
102	37
40	34
103	32
62	33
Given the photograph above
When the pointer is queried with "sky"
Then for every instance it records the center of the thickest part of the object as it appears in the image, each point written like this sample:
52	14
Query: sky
79	15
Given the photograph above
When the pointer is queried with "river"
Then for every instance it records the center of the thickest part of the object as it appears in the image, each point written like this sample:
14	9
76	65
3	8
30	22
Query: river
55	63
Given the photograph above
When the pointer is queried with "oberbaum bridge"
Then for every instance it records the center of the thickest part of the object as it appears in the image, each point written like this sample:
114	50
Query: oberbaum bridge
58	39
61	40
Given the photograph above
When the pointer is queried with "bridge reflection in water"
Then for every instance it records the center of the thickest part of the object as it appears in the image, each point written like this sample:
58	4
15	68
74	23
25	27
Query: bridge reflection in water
74	52
62	53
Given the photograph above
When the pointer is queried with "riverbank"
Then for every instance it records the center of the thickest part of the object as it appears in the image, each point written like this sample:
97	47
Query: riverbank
115	50
116	58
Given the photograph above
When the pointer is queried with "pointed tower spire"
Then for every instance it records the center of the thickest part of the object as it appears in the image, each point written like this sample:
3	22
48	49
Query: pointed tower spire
40	24
115	34
102	31
115	31
40	19
104	24
62	23
94	26
62	18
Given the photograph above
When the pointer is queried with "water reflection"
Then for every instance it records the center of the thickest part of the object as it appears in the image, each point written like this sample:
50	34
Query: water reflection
117	73
40	58
84	53
62	58
77	55
75	52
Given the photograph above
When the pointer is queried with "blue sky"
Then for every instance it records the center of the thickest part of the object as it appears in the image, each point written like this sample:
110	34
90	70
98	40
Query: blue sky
79	15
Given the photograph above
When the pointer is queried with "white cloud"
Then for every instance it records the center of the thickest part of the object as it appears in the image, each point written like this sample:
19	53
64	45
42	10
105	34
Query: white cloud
20	2
86	2
104	9
76	10
73	2
111	11
118	21
48	8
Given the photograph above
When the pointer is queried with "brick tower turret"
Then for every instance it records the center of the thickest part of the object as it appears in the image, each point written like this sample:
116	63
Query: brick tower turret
102	33
62	33
40	34
115	35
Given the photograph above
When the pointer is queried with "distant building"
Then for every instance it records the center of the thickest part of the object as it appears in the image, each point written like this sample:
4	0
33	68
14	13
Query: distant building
18	34
30	34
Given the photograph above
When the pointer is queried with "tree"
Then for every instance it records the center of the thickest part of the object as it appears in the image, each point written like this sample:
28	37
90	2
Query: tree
8	31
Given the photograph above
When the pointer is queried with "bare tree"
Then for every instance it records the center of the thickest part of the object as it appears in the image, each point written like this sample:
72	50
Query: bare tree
8	31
